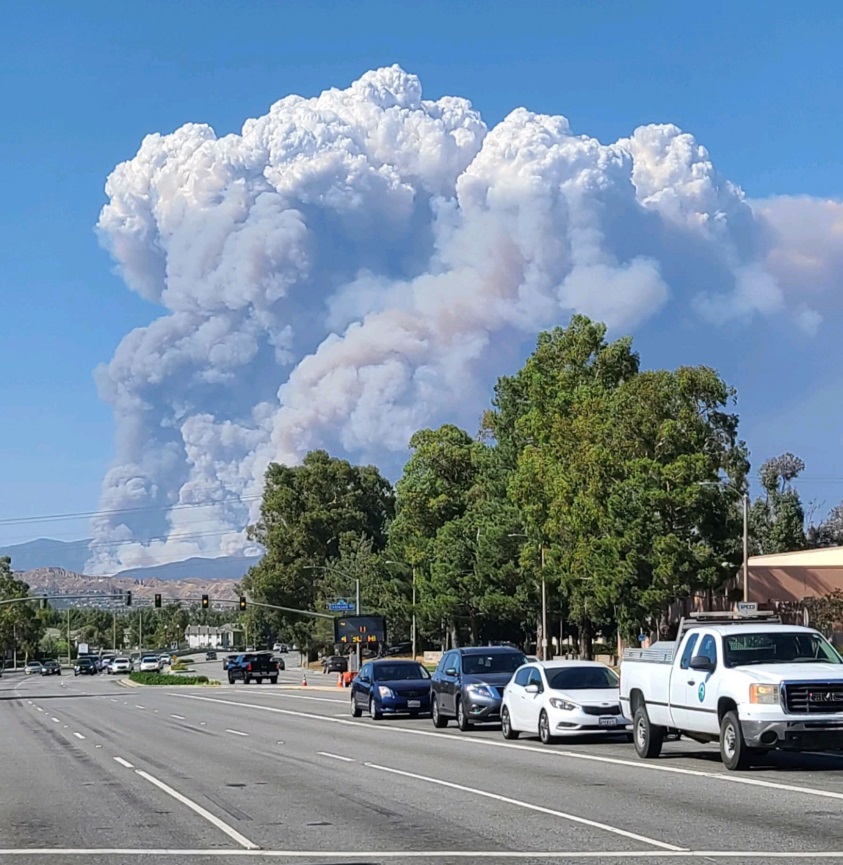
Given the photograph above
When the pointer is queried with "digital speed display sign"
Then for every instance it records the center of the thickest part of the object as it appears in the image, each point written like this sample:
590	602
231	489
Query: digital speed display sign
351	630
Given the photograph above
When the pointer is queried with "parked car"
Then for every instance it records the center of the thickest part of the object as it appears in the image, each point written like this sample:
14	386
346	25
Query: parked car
119	665
33	668
50	668
253	666
390	687
150	664
562	698
335	664
745	681
399	649
468	684
85	667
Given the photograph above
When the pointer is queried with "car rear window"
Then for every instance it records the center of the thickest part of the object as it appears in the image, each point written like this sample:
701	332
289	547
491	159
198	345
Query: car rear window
581	678
398	672
493	662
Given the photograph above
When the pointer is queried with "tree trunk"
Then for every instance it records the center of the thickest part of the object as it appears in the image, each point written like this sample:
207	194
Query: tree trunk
472	629
586	652
455	634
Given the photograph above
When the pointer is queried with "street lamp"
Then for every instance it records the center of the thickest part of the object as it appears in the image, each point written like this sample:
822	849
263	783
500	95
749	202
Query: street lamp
745	507
413	625
544	593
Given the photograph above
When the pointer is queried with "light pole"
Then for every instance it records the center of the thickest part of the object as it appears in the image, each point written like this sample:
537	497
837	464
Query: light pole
745	507
544	639
413	624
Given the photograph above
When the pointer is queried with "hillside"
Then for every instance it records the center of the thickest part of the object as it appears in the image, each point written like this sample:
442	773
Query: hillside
57	581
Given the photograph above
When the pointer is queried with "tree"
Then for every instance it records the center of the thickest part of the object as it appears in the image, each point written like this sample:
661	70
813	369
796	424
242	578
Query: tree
609	462
829	533
20	626
308	512
777	518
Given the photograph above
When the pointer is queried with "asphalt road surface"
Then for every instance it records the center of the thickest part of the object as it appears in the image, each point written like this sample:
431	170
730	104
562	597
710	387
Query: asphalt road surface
96	771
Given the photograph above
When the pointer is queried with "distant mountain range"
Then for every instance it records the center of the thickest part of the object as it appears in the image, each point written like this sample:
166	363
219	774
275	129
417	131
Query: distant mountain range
71	556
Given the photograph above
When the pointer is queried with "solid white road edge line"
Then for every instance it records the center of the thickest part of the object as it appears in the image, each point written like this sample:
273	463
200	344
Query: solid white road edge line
336	756
178	717
345	855
547	752
236	733
123	762
232	833
56	720
78	735
594	824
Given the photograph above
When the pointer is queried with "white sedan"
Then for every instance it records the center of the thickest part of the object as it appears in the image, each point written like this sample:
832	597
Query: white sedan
562	698
150	664
120	665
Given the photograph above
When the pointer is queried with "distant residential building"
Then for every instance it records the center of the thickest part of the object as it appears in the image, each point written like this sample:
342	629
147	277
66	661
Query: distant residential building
210	637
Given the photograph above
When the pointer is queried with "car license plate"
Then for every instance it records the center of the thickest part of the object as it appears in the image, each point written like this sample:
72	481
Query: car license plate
608	721
413	704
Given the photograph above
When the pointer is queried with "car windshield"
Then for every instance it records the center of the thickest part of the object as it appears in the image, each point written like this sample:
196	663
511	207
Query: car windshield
785	647
492	662
150	659
397	672
121	661
581	678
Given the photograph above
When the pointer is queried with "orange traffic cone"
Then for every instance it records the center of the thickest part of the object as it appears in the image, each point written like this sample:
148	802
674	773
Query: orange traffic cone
339	680
304	680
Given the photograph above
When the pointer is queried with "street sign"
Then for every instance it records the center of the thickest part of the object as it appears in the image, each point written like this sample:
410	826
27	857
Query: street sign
341	606
82	649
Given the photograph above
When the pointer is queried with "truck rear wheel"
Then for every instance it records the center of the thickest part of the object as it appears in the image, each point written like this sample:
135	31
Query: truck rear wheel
647	737
733	749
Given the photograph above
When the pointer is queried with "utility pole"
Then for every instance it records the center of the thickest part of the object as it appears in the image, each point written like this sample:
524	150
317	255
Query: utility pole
544	606
745	547
413	627
140	631
69	659
114	629
357	605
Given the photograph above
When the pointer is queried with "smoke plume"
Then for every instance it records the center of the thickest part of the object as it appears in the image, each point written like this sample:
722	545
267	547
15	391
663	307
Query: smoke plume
353	266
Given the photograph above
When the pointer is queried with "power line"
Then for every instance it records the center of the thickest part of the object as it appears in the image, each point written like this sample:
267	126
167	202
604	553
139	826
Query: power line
109	512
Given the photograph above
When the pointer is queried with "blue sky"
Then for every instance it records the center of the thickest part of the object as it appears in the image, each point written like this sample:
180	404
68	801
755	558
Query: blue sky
758	83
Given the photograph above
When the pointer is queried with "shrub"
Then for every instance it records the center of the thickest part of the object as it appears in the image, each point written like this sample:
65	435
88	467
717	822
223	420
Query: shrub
166	679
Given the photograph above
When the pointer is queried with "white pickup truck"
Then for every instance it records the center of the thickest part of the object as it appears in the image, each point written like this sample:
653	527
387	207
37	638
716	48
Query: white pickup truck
749	682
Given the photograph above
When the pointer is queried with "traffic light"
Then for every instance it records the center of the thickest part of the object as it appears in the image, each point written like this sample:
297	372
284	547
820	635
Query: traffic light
205	602
242	602
128	599
157	600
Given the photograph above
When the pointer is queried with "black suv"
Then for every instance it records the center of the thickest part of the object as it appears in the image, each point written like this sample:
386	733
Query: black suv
468	684
50	668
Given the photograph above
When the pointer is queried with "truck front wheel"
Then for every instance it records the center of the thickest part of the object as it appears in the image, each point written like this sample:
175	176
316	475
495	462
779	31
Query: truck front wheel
647	737
733	749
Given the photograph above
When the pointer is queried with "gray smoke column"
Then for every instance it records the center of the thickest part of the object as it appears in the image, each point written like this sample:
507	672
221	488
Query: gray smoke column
353	266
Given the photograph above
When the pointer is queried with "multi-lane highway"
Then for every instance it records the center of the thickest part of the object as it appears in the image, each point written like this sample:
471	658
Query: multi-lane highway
94	770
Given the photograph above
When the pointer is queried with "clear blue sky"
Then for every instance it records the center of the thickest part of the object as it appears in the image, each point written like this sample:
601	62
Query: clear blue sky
759	83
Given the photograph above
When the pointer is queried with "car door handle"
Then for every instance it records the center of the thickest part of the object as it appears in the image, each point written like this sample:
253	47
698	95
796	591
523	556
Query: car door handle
691	682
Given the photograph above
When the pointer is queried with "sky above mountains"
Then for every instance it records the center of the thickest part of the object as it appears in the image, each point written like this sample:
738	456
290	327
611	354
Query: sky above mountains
330	229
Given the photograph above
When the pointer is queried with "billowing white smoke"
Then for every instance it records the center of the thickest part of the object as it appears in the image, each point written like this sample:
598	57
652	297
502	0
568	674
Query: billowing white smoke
354	266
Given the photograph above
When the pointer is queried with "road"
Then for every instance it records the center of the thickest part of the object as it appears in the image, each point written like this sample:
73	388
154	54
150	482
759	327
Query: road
96	771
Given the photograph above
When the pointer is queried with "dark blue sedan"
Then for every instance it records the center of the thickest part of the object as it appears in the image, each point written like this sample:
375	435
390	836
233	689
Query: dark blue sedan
387	687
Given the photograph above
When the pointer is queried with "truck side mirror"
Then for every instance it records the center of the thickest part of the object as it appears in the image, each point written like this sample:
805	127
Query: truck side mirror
702	663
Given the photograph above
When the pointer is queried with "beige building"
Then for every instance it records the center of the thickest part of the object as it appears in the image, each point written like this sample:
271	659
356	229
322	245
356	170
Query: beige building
795	576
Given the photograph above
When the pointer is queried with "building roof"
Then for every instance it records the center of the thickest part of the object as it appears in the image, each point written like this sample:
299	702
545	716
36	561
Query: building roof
823	557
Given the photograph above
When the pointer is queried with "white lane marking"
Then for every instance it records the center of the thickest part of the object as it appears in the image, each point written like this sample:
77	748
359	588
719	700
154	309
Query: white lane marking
232	833
561	855
178	717
39	708
236	733
123	762
520	803
139	707
78	735
297	697
545	752
56	720
335	756
113	700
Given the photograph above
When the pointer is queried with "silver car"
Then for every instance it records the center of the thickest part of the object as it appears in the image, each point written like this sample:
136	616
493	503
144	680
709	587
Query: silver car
120	665
150	664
